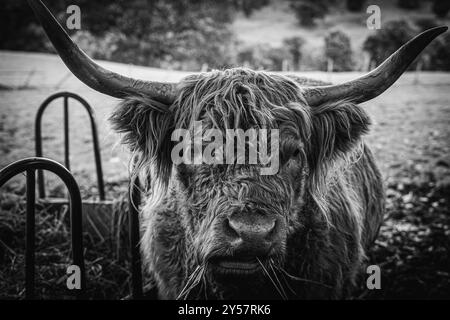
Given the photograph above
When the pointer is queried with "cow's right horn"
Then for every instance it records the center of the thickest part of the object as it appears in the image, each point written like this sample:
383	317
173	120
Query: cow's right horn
93	75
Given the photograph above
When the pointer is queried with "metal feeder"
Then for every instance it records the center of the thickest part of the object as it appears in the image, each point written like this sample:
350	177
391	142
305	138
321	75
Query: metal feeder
98	215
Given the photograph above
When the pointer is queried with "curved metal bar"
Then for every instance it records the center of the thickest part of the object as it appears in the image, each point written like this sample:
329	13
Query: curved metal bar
30	232
29	165
38	138
134	199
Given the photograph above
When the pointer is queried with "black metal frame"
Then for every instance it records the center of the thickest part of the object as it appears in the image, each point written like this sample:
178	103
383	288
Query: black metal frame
30	165
134	199
38	138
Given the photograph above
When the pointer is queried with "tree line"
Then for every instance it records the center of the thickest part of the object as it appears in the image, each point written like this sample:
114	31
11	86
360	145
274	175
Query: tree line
197	34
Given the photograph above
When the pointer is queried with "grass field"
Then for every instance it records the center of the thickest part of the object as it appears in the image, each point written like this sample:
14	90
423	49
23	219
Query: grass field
410	137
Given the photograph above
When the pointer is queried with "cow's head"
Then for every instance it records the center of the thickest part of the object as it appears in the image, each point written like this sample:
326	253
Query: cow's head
236	220
233	213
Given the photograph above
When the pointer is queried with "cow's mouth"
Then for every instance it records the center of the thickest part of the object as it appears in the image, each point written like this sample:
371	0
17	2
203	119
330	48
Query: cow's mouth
235	266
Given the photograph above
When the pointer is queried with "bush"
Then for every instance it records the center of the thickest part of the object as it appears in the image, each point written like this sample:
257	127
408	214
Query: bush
176	34
98	47
184	34
294	47
435	56
263	57
19	28
314	60
396	33
338	49
425	23
355	5
387	40
408	4
307	11
248	6
277	56
214	46
251	57
441	8
439	54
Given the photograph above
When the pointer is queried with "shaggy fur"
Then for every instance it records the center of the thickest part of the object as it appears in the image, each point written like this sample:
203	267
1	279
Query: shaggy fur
328	194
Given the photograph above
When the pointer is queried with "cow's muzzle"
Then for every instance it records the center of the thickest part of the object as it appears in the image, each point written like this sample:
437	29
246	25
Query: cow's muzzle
252	239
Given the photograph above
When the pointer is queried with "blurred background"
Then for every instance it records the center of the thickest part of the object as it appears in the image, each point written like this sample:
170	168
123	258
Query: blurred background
194	35
165	40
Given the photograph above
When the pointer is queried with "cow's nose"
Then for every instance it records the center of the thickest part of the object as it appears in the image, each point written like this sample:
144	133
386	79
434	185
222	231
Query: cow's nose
251	232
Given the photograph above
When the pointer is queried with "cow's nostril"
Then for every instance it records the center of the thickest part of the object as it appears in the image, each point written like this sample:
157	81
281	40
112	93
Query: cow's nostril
229	230
249	227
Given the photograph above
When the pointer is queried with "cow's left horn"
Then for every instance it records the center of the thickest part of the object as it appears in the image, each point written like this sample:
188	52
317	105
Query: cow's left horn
378	80
93	75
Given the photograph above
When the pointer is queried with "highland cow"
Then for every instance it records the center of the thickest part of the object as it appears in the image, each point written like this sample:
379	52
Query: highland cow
226	231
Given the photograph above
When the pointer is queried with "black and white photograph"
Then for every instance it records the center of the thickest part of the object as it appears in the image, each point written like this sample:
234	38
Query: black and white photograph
238	150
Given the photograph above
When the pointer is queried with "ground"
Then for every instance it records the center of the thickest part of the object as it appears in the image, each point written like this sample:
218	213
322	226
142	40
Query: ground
410	138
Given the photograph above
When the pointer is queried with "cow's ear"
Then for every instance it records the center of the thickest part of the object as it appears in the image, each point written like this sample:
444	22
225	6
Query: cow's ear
336	129
146	126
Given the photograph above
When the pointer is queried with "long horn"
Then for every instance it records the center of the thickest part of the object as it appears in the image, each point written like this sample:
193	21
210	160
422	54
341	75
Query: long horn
378	80
96	77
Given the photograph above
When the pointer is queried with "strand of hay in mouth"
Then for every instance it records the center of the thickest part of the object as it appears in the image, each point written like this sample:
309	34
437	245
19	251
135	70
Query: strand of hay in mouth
278	280
291	277
192	282
278	286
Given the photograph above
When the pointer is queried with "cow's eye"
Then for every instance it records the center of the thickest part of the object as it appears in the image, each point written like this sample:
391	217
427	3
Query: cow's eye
294	153
290	154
